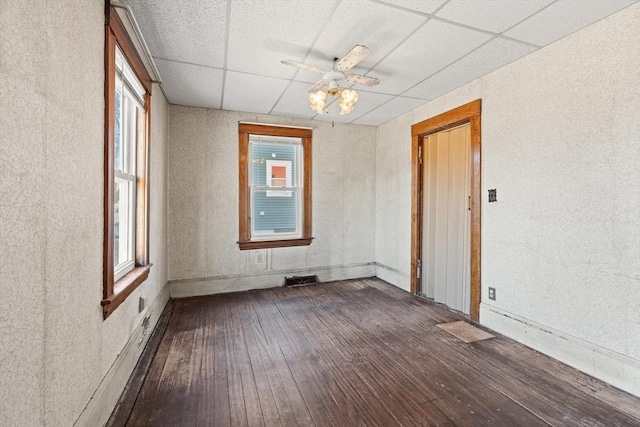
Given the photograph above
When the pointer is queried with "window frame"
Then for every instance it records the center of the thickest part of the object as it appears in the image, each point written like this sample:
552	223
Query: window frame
245	241
116	291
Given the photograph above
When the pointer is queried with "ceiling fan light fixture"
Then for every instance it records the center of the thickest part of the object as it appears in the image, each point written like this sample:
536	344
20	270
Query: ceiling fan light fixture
349	96
318	101
344	110
348	99
328	86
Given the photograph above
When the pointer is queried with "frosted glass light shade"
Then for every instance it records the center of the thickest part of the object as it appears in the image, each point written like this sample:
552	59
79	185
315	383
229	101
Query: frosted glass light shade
348	99
318	100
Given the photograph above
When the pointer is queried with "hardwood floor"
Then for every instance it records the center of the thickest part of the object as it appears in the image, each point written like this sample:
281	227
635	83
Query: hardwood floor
350	353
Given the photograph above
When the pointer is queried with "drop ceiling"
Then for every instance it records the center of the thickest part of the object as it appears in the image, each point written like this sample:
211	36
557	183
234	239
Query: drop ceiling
225	54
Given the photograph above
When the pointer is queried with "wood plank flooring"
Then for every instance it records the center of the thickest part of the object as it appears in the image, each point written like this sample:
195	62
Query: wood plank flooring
353	353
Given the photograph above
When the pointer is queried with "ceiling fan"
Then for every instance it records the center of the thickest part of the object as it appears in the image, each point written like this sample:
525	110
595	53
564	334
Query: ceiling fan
330	79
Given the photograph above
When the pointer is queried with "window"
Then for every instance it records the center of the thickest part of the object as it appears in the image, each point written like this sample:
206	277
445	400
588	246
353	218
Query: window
275	186
127	102
129	129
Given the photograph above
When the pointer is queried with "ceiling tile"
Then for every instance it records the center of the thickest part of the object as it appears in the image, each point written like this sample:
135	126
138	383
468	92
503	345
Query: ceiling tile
431	48
378	26
490	57
193	85
491	15
264	32
423	6
295	102
392	109
309	77
563	18
251	93
409	50
192	31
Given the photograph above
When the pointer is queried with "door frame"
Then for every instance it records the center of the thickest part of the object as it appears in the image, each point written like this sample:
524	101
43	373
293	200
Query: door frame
468	113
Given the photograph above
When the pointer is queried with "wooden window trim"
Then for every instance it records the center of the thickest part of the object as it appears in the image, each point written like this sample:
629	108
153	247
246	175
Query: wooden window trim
115	292
124	287
467	113
244	130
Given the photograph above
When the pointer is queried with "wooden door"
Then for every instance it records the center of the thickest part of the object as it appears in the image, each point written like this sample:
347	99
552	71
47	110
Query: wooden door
446	251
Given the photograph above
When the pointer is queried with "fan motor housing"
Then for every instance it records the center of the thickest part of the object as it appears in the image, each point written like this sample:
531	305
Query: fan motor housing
333	75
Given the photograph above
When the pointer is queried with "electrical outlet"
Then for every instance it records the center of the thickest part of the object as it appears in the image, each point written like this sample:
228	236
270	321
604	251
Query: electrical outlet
260	257
492	294
141	304
493	196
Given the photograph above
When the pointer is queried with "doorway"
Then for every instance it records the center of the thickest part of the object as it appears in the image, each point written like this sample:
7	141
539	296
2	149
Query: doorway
446	217
443	255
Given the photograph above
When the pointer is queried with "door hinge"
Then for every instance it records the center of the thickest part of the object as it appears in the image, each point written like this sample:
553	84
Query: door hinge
469	202
418	269
420	154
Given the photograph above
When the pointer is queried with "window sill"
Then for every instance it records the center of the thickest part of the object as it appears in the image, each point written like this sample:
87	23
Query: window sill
266	244
123	288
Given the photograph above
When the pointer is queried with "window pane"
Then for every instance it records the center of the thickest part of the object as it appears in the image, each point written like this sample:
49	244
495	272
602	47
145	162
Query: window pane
280	153
118	129
129	134
122	222
276	212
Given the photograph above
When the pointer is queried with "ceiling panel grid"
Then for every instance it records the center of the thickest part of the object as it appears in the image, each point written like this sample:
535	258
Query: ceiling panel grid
226	54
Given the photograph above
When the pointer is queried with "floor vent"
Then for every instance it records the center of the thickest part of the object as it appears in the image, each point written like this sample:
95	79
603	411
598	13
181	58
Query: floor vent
294	281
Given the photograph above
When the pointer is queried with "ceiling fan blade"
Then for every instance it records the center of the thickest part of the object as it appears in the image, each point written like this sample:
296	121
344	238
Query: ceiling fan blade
363	80
355	55
303	66
316	87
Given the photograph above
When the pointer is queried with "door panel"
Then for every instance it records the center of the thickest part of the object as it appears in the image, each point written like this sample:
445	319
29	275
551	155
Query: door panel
446	218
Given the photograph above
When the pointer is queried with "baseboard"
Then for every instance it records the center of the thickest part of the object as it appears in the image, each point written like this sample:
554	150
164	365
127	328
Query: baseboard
271	279
396	277
614	368
104	399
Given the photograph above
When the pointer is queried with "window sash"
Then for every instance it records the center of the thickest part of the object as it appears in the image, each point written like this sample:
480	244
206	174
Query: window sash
271	234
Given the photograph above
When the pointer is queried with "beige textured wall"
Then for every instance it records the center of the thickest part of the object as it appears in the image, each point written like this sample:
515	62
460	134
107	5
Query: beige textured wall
54	346
22	201
203	197
561	144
